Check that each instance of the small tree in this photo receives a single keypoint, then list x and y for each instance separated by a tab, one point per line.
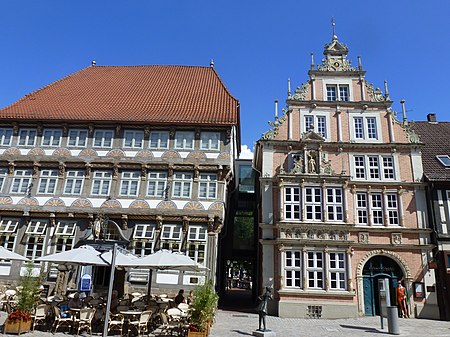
203	307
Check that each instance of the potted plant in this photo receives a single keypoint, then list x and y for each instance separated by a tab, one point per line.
28	294
202	310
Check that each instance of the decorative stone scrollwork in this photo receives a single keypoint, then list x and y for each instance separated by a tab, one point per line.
376	95
412	136
300	93
159	221
271	134
334	64
396	238
363	237
61	170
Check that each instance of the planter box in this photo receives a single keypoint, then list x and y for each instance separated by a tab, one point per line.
197	334
17	326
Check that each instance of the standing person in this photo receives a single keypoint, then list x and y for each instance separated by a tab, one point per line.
401	299
180	297
262	308
190	298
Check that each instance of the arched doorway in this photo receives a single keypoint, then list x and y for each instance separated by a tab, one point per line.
378	267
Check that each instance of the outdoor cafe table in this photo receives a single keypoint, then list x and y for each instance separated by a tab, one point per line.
129	315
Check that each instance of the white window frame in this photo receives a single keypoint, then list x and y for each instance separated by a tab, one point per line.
210	141
184	140
102	139
181	181
360	167
335	204
3	175
313	203
66	228
8	231
36	227
374	167
365	127
51	137
315	270
293	269
48	181
99	180
77	137
27	137
377	209
171	235
144	235
157	181
319	121
24	177
362	214
292	203
196	242
6	135
207	186
337	274
197	233
392	209
130	180
133	139
161	137
338	94
74	182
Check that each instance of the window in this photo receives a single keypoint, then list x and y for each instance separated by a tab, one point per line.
182	183
184	139
74	182
47	183
197	243
6	136
157	182
337	271
133	139
171	237
292	203
8	236
62	240
444	160
338	92
365	128
159	140
35	233
143	239
377	208
293	272
379	167
392	208
361	208
103	138
3	173
208	186
314	270
27	137
129	185
51	137
313	203
21	181
101	183
65	228
317	124
334	204
209	140
77	138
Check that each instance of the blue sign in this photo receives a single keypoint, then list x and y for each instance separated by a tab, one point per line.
85	282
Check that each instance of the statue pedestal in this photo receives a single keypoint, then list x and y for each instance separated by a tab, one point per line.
267	333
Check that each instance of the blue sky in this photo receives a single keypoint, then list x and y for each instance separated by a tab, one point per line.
256	45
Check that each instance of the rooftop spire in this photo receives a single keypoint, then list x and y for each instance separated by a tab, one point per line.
332	27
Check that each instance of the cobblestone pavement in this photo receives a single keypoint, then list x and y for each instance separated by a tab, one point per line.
231	323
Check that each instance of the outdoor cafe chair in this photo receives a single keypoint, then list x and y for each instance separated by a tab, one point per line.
183	307
116	322
141	325
62	321
167	327
40	315
85	320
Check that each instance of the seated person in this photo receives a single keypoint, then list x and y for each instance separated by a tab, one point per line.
75	302
180	297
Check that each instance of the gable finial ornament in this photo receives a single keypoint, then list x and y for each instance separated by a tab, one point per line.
271	134
300	93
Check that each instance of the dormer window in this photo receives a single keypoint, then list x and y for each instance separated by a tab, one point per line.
338	92
444	160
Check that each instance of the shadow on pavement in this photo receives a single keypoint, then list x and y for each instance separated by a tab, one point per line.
242	332
365	328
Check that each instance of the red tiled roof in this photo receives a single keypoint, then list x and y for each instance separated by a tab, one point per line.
435	138
141	94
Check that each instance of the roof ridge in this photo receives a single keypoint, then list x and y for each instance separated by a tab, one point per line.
223	84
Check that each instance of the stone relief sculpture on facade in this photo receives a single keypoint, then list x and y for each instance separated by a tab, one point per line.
300	93
410	134
376	95
306	233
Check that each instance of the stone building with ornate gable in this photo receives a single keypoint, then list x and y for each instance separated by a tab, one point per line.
149	150
342	202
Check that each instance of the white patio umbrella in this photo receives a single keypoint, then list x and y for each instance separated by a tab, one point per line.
166	260
6	254
84	256
122	259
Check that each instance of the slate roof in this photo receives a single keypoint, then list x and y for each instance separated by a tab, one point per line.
134	94
436	139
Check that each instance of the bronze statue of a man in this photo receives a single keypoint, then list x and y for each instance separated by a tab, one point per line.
262	308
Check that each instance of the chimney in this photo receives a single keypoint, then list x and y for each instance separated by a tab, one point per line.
431	118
